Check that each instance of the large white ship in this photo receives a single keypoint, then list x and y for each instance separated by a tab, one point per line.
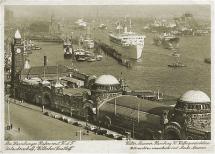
129	43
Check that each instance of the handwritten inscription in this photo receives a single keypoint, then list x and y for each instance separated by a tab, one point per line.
156	145
40	145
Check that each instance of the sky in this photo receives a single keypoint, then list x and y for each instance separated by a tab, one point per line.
43	11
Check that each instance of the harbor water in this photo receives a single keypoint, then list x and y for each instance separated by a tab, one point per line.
151	72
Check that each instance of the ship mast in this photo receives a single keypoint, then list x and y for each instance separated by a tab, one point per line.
130	25
57	73
119	27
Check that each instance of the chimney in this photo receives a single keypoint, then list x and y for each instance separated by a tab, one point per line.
45	60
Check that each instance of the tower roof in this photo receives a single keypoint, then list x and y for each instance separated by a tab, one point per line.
17	34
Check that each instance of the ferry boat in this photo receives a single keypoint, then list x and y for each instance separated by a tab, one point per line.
129	44
167	40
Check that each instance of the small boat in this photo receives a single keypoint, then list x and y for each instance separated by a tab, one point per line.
175	53
102	26
35	48
88	53
81	58
99	57
91	59
79	52
177	63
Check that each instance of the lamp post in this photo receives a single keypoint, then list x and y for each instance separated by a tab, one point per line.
133	128
8	112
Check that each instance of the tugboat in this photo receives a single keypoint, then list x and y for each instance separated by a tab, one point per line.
177	63
68	49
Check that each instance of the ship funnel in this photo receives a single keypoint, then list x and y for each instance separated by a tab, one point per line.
45	61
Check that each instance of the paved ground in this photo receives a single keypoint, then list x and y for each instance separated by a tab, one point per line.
36	126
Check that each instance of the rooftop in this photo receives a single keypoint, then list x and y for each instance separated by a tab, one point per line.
70	79
195	96
106	80
75	91
132	102
39	70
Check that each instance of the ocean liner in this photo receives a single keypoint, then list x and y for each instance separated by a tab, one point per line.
129	44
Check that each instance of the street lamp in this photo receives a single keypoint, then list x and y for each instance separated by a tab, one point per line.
133	127
8	111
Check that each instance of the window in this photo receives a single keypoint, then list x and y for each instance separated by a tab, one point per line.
189	106
198	107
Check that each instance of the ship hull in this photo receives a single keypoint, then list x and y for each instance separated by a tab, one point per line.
68	56
128	52
131	52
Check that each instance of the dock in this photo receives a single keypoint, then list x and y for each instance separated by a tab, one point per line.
114	54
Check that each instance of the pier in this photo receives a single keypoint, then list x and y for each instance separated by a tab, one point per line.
114	54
